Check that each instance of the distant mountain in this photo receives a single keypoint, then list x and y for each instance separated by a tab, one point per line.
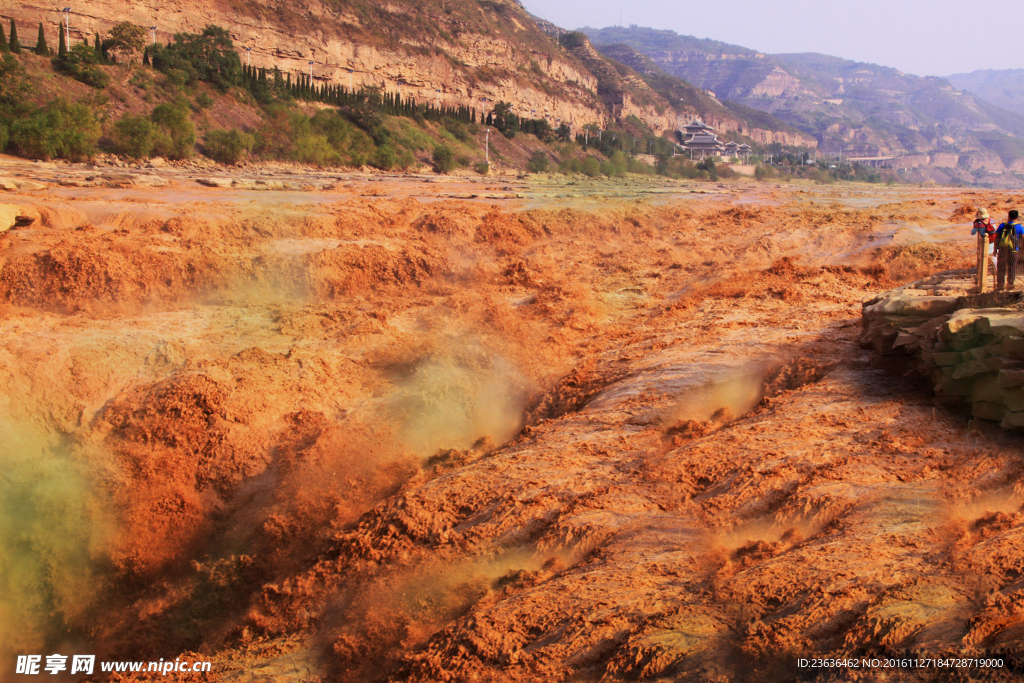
857	108
1004	88
691	101
629	84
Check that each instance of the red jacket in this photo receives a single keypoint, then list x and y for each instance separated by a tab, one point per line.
985	225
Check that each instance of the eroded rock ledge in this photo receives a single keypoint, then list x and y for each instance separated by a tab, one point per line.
971	346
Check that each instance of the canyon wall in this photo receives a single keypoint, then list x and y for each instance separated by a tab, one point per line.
446	72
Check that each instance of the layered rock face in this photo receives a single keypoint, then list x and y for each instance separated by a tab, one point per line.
971	346
451	67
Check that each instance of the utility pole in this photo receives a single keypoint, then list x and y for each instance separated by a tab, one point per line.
248	51
350	89
437	100
152	29
67	23
487	145
311	70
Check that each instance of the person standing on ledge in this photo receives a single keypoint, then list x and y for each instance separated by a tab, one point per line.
986	233
1008	238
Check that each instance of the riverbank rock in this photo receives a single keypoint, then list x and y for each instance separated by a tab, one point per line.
13	215
971	346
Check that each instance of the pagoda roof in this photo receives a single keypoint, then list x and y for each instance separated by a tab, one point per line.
697	124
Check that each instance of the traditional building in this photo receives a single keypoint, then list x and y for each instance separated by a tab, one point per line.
701	141
704	145
694	128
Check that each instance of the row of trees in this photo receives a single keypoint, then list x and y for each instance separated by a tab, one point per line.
124	40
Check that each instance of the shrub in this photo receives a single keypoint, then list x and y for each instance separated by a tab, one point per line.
483	168
4	137
134	136
444	159
80	62
384	158
591	167
228	146
59	130
538	162
708	166
457	129
352	144
315	149
275	138
177	135
204	101
13	83
405	159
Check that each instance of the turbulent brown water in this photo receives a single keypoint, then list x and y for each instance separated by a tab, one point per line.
548	438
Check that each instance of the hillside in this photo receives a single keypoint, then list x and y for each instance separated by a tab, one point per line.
447	53
727	117
1001	87
852	108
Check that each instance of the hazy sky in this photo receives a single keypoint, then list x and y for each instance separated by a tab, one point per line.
923	37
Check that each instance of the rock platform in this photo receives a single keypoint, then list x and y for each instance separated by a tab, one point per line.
970	345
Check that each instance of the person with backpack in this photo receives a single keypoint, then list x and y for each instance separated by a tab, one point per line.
986	233
1008	238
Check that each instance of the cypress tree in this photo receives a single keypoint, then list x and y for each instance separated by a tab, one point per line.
41	47
62	48
99	47
3	41
15	44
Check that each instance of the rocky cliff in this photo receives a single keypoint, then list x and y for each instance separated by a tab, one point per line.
453	53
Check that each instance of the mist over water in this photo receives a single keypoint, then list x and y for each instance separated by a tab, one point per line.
53	531
456	397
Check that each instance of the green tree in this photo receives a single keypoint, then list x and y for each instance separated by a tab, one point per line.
504	120
444	159
58	130
177	136
209	56
15	44
126	41
4	47
538	162
41	47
